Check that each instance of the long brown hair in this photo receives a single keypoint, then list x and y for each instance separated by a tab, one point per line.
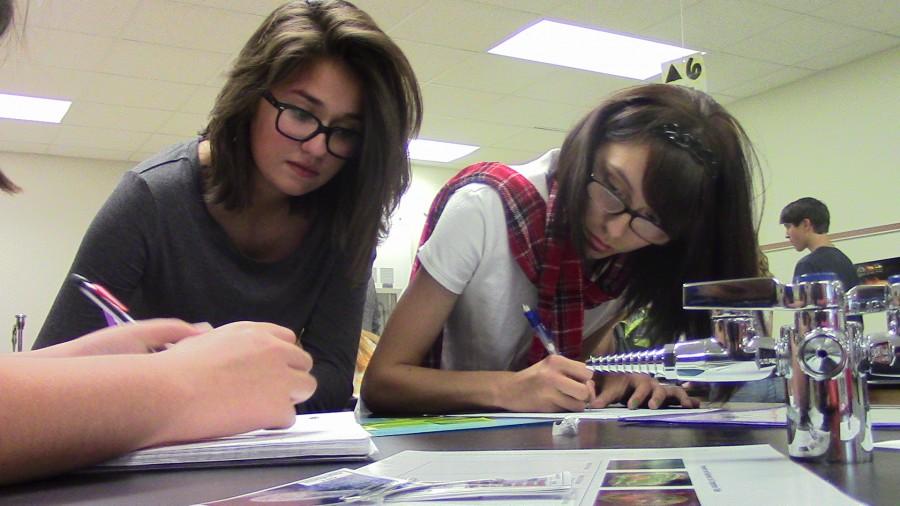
359	200
7	15
698	181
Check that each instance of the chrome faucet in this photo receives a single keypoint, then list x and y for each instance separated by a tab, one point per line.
824	358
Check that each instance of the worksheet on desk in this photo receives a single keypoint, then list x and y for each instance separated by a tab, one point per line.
594	414
734	475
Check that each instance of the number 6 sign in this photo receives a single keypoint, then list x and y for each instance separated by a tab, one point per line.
690	72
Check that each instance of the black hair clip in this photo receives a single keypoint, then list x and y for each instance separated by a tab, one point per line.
673	133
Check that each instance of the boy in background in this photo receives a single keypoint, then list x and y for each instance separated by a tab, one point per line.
806	224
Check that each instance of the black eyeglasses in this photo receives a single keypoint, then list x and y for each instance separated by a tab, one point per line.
301	125
645	227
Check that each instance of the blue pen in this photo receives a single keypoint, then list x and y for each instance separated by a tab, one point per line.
540	329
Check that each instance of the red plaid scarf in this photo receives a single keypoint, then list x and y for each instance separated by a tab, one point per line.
550	263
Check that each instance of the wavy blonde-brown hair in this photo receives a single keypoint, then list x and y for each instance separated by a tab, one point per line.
359	200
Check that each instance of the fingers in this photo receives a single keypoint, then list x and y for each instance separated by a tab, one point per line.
658	399
283	333
669	394
298	358
642	390
304	384
683	398
610	393
156	333
573	380
571	368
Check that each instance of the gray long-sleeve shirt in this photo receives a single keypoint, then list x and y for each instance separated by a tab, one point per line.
155	246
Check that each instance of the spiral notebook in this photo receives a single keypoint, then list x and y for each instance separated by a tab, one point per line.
316	437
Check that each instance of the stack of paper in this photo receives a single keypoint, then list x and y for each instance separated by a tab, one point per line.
733	475
319	437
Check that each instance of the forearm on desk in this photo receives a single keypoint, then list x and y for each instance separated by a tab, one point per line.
415	389
61	414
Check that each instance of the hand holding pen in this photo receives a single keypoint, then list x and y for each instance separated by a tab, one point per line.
550	345
115	312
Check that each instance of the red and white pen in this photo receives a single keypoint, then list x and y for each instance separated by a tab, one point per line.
115	312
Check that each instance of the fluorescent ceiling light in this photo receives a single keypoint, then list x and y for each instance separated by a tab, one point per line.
436	151
47	110
587	49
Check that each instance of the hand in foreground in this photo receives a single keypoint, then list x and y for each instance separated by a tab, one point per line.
551	385
240	376
636	390
140	337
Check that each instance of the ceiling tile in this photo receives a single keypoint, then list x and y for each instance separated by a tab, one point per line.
526	112
87	152
802	6
778	78
258	7
95	17
871	44
716	24
191	26
536	6
455	102
462	24
28	131
90	114
140	156
104	138
627	16
63	49
9	146
493	73
188	125
506	156
157	142
17	76
464	131
201	101
725	70
536	139
575	87
802	39
390	13
152	61
877	15
429	60
134	92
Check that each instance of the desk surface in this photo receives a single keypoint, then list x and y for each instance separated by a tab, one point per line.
873	483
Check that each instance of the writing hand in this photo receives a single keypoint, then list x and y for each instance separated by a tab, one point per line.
551	385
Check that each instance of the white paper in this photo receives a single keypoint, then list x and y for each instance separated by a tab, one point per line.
752	475
594	414
889	445
320	436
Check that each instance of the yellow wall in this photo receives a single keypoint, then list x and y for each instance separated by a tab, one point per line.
834	136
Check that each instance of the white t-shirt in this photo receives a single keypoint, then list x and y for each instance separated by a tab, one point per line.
468	253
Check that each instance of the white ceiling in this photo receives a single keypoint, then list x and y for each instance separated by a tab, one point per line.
142	74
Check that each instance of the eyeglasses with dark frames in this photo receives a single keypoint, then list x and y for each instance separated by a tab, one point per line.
301	125
609	198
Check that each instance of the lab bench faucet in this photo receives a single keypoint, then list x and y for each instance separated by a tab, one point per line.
824	357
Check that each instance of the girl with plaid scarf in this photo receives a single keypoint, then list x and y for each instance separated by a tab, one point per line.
650	190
